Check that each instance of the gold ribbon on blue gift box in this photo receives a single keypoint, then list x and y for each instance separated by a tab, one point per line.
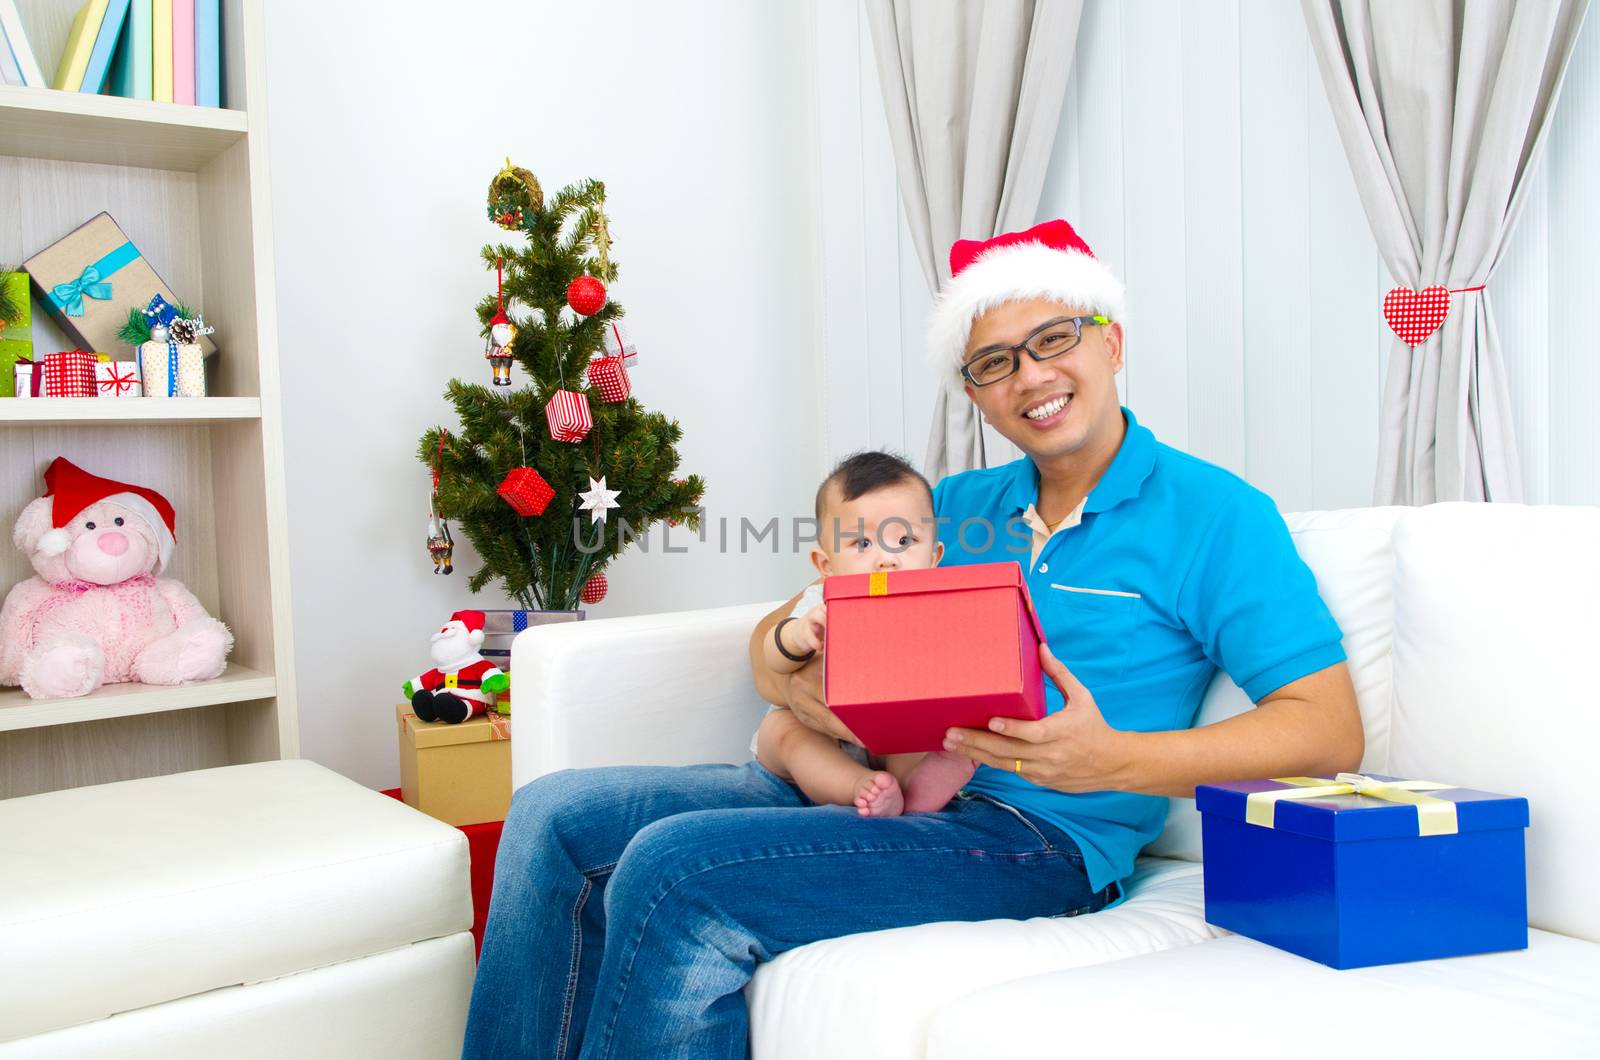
1435	816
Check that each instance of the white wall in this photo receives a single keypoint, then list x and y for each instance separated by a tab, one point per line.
385	130
1197	155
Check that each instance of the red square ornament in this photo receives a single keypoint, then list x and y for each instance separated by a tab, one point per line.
568	416
607	375
526	491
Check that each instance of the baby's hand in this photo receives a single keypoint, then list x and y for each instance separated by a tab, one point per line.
811	629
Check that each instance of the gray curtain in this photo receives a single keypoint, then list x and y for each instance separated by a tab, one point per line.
1443	106
973	94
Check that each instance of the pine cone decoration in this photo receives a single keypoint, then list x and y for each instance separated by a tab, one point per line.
512	191
184	331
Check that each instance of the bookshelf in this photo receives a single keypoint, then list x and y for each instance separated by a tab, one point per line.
189	186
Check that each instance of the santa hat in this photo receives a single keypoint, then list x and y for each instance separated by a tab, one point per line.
1048	261
472	620
72	489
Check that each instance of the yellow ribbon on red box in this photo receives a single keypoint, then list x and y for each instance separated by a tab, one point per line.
1434	816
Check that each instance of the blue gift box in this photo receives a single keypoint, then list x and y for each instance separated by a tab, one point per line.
1354	871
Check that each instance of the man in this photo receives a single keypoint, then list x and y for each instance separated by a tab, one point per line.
632	905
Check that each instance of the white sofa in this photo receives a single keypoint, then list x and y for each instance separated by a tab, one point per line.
1472	632
268	910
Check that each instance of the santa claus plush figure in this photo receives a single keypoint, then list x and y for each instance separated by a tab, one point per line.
462	683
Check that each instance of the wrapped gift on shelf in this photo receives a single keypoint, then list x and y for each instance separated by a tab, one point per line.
460	774
27	378
16	334
70	374
89	280
911	653
118	378
172	369
1355	870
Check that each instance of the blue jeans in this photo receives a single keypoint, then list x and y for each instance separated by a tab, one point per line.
632	904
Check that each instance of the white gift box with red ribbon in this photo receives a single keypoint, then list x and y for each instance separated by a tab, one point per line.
118	378
618	344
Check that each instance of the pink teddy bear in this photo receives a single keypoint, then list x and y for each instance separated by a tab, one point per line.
96	614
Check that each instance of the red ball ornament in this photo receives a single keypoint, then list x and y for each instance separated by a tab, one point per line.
586	295
594	590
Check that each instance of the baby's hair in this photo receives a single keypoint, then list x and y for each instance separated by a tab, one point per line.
861	473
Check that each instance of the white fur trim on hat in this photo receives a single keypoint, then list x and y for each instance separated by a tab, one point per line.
1017	273
158	526
53	542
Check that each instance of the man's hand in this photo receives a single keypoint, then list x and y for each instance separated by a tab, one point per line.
1071	750
808	704
799	690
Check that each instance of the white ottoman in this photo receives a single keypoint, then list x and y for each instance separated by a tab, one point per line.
274	909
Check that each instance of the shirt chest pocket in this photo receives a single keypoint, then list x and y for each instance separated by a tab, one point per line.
1092	630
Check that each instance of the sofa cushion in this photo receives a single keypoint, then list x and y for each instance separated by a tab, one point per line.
353	1009
1350	553
812	1001
1496	631
1235	997
123	895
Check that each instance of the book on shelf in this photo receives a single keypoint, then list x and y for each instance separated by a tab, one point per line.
132	63
161	38
183	51
80	44
17	47
94	76
208	53
10	72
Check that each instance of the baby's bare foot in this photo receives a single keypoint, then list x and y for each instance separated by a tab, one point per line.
878	795
935	781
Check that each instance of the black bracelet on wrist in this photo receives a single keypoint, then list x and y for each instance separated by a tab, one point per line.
777	638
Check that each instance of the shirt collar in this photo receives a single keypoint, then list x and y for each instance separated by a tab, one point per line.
1135	459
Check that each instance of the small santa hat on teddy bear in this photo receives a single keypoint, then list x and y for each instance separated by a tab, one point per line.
72	489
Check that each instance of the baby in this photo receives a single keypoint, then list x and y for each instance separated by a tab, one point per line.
874	513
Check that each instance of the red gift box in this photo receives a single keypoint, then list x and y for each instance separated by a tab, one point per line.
568	416
607	375
526	491
70	374
912	653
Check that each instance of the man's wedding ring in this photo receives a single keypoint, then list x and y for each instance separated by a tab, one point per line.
1018	767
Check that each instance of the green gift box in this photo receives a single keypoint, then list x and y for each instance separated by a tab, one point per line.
16	336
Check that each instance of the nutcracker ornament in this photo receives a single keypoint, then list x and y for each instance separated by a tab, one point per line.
501	331
462	683
513	193
441	546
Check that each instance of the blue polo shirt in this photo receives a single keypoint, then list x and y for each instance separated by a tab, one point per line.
1176	568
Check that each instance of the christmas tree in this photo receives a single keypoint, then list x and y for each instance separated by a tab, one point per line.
544	479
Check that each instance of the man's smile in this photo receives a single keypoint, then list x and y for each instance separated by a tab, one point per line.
1049	411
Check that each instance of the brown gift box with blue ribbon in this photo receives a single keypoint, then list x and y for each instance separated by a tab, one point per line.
88	280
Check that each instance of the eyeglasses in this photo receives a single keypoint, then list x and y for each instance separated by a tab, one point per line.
1047	341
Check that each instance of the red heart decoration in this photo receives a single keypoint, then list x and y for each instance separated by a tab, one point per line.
1414	315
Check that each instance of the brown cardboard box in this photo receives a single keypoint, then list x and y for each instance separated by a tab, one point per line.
460	774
